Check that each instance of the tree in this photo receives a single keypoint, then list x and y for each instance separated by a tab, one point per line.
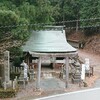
44	11
22	31
90	9
7	5
69	10
72	9
28	12
16	54
18	2
7	18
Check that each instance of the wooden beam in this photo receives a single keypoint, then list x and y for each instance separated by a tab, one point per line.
48	61
39	73
60	61
35	54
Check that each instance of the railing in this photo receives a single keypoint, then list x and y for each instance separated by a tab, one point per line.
14	69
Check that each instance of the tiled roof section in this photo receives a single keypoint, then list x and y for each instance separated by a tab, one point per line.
48	41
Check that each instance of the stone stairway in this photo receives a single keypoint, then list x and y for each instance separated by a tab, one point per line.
47	75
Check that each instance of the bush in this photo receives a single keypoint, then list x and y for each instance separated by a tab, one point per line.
13	75
7	93
17	61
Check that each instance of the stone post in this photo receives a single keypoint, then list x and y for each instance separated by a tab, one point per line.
5	86
6	67
39	73
14	84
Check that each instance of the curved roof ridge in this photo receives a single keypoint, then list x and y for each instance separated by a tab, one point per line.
48	41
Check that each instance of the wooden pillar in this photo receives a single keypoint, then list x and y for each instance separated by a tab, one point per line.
67	70
53	62
39	73
28	60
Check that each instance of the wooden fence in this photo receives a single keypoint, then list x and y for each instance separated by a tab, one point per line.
14	69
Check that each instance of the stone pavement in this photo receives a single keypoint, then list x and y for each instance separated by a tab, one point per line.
49	86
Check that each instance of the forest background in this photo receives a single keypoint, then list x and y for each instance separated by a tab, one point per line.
19	17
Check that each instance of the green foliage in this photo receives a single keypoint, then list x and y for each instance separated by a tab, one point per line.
13	75
45	11
7	93
7	5
15	51
7	18
22	31
16	54
90	9
17	61
27	11
18	2
40	12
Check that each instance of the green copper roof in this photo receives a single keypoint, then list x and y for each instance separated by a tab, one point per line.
48	41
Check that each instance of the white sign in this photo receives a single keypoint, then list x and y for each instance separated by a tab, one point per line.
83	72
25	72
87	64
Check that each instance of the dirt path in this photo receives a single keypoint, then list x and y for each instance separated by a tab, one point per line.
95	62
94	59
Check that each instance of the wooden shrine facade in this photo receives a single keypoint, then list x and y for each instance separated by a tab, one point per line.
53	56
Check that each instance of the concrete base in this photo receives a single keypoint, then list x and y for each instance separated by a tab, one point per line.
7	84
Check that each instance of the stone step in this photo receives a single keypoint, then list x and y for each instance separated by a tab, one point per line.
47	75
76	80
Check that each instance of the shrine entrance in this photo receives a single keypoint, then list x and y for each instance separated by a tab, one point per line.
39	62
49	43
